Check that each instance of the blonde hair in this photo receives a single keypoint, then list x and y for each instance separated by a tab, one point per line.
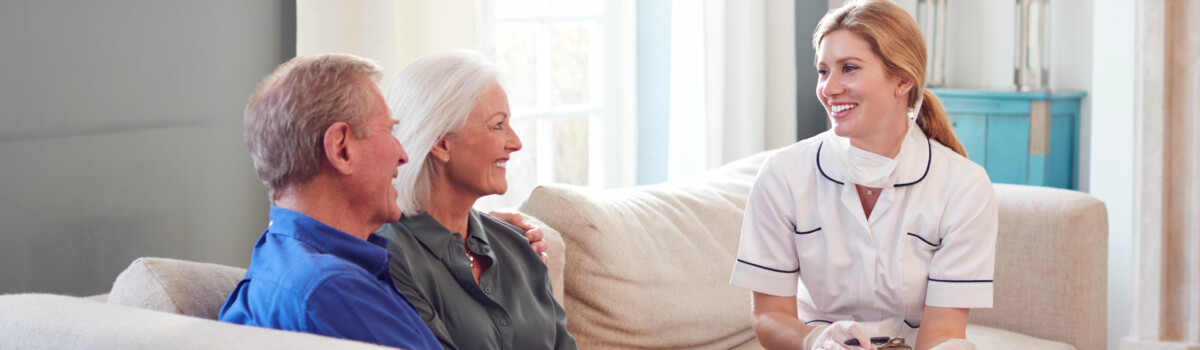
431	98
287	115
895	37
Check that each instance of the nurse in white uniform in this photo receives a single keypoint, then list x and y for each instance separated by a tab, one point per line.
880	226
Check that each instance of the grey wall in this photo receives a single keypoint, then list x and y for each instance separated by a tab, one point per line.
810	115
120	135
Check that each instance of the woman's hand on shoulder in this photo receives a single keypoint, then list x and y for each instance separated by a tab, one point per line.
532	233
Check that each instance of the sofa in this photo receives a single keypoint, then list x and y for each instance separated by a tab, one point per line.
641	267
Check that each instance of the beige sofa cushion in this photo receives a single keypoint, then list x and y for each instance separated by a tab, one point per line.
988	338
649	267
175	286
556	251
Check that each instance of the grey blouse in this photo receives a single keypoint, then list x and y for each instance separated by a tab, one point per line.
512	306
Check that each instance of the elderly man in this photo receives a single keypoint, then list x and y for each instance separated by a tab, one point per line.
320	135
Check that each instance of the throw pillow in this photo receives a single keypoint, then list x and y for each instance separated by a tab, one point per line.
649	266
175	286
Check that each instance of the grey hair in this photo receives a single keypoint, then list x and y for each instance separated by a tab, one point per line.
287	115
432	98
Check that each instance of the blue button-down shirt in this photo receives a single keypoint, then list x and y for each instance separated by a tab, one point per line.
309	277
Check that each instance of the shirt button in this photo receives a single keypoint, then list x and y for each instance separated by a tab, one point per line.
487	289
487	250
503	321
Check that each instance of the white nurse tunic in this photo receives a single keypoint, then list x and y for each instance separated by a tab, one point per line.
930	239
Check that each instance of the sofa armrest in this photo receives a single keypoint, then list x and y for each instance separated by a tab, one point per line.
1051	266
44	321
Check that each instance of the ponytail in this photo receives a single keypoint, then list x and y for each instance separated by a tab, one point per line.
936	124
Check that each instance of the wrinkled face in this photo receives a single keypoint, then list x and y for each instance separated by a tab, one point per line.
381	154
861	98
480	149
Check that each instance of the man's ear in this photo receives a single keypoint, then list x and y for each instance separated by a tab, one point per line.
337	147
441	149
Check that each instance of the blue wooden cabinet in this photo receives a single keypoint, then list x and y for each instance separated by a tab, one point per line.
1020	137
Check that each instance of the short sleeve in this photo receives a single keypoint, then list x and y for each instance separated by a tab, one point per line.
767	260
960	273
350	307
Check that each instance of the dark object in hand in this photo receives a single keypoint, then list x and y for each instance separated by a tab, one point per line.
886	344
874	340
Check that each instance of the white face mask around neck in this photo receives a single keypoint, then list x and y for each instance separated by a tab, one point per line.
861	167
865	168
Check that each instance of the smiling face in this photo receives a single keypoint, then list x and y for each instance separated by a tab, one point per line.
864	102
382	155
479	151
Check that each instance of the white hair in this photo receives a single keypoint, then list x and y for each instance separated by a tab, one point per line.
431	98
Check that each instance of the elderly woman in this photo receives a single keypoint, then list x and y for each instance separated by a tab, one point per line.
473	278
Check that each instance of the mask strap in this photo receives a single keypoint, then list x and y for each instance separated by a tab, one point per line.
916	110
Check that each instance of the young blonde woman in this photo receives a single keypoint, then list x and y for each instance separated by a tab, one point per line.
880	227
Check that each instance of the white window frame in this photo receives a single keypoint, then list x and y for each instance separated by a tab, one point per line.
612	141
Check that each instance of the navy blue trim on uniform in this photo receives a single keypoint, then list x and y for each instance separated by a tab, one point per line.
823	170
767	268
829	322
910	324
808	232
926	242
927	163
960	281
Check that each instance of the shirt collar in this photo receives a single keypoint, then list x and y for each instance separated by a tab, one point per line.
371	254
433	235
912	162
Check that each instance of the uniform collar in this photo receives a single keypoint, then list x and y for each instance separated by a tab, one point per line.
434	236
912	162
371	254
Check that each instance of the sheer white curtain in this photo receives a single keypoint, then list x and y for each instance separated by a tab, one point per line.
733	81
392	32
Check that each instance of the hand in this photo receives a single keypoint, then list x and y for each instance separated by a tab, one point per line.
955	344
834	336
532	233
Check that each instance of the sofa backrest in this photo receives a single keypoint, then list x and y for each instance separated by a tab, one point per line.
1051	266
649	267
44	321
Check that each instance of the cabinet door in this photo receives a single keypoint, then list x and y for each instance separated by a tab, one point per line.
971	130
1060	165
1007	148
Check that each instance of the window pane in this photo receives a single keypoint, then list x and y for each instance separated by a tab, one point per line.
521	170
571	150
575	7
572	48
516	57
520	8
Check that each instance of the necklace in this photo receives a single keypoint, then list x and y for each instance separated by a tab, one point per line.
869	191
470	258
